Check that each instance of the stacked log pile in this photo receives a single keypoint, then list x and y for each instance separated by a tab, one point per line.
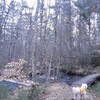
13	72
14	69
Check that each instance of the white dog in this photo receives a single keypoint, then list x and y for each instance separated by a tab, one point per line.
80	92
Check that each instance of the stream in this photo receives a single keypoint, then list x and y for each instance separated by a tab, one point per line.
62	77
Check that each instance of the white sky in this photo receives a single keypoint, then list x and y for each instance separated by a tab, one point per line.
32	3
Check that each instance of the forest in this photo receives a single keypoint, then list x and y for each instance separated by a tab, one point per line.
48	44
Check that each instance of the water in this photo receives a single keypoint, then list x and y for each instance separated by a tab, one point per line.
69	79
62	77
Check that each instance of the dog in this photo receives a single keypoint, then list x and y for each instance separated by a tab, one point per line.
80	92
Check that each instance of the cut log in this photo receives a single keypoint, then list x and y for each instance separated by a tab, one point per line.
87	79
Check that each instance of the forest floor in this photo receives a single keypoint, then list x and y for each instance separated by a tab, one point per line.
62	91
58	91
